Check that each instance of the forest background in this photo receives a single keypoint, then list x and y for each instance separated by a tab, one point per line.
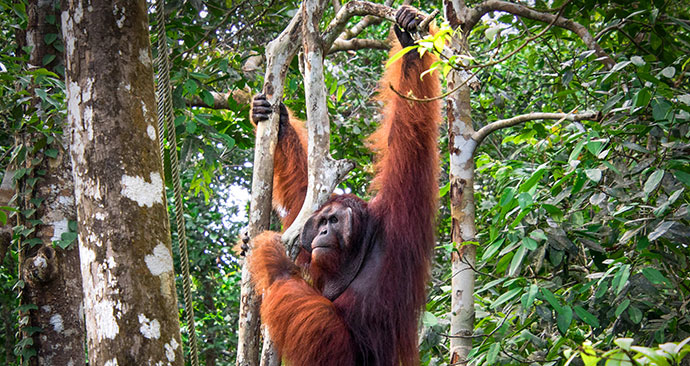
583	227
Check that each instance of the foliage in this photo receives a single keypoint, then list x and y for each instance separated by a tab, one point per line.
626	354
584	226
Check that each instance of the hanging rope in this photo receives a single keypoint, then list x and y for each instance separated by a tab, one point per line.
165	122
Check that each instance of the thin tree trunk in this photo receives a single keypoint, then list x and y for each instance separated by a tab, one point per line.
210	355
279	54
56	291
124	236
463	229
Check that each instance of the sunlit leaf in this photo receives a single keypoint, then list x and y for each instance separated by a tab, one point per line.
506	296
653	181
660	230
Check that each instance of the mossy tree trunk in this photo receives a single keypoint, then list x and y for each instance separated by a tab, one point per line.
49	261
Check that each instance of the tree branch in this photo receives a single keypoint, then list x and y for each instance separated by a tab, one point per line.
479	135
324	173
279	53
358	44
350	9
220	100
363	24
520	10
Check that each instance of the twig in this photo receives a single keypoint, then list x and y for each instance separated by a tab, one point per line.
523	11
524	44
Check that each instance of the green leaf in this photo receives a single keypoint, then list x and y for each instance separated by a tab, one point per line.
587	317
199	75
682	177
443	191
190	87
400	54
492	354
621	307
492	249
533	180
621	278
588	355
3	218
660	230
642	97
52	153
593	174
190	127
554	211
506	296
48	59
551	299
50	38
69	237
661	209
201	119
72	225
531	295
653	181
517	260
575	154
652	355
207	97
429	319
655	276
660	110
624	343
33	242
525	200
529	243
564	319
507	197
439	44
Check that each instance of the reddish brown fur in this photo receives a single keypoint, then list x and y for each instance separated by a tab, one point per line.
375	319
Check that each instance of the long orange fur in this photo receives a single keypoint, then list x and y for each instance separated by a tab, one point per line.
310	330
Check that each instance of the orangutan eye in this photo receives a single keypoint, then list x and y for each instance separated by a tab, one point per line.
333	220
322	222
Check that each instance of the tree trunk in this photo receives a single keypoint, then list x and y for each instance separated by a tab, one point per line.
210	354
279	54
463	229
124	236
51	274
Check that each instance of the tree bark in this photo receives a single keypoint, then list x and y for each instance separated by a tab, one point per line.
130	302
51	274
463	228
464	140
279	54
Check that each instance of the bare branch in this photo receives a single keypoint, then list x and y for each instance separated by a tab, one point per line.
354	8
358	44
279	53
520	10
363	24
220	100
479	136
